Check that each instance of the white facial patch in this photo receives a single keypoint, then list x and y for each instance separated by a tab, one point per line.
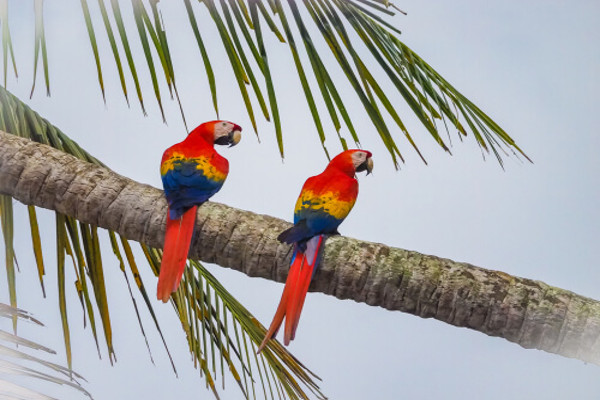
358	158
222	128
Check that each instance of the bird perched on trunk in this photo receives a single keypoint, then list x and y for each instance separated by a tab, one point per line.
324	202
192	171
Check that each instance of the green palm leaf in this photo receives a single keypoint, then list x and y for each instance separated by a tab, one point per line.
353	30
40	45
7	47
206	310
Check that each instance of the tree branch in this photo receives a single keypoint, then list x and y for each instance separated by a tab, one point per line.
529	313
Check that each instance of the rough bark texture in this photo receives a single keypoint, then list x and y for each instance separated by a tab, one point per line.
530	313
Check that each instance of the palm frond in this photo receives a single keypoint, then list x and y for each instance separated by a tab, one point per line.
203	305
58	374
7	46
6	219
90	28
363	44
207	65
40	45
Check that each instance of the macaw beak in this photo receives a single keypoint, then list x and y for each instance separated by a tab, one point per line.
235	136
232	138
367	165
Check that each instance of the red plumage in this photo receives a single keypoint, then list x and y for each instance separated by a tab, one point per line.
192	171
293	296
324	201
299	290
178	236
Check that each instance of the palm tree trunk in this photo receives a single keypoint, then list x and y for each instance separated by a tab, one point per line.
529	313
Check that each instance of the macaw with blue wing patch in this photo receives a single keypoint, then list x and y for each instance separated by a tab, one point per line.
324	202
192	171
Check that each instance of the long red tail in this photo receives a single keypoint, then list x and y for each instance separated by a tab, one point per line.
294	294
178	237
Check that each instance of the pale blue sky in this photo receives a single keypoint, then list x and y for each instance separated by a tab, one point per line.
532	66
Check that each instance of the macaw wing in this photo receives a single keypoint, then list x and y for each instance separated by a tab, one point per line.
322	212
189	182
309	223
297	233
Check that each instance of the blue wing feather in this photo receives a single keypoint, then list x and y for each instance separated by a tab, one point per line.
309	223
317	221
186	185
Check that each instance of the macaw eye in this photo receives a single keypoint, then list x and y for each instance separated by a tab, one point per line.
224	124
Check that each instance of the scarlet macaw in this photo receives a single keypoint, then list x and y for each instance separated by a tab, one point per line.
324	202
192	171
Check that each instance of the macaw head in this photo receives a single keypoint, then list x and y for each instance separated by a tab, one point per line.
219	132
352	161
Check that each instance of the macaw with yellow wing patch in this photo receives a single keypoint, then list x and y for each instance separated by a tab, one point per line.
192	171
324	202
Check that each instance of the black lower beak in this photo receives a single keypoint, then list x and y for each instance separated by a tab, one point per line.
362	167
224	140
231	139
367	165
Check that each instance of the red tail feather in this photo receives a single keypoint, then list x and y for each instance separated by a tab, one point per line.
296	299
294	294
283	304
178	237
